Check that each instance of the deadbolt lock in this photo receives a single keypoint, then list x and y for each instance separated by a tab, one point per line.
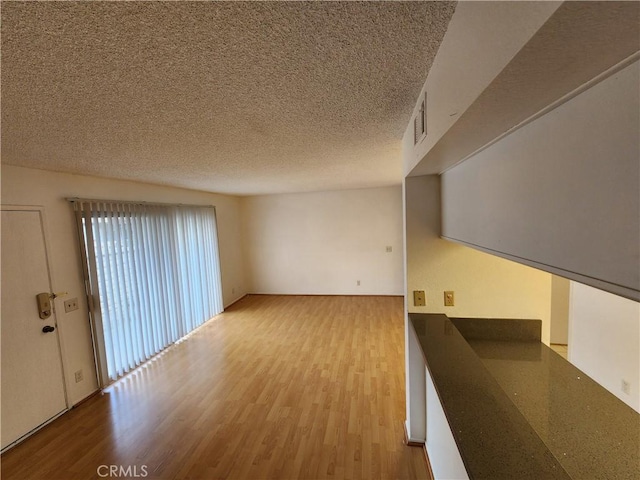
44	305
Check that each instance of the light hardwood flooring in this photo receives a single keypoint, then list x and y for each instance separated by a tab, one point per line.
277	387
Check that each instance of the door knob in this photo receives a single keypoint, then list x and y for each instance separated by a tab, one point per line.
48	329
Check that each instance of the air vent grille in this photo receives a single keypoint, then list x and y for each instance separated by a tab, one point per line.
420	122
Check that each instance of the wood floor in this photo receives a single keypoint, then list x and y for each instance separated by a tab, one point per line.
277	387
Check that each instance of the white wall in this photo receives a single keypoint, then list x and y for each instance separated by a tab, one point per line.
323	243
22	186
485	286
444	456
604	340
415	393
562	192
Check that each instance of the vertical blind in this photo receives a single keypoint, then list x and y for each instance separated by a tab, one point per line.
152	274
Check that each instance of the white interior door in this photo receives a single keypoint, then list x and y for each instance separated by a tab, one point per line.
31	370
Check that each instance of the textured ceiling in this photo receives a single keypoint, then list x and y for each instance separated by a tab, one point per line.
232	97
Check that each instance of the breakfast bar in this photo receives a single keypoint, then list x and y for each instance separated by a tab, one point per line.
516	409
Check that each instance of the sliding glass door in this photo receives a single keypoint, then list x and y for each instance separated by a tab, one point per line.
153	275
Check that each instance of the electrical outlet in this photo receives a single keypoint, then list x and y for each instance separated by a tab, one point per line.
71	305
419	298
448	299
626	387
389	249
358	282
79	376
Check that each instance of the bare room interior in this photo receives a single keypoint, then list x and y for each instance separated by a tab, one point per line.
304	240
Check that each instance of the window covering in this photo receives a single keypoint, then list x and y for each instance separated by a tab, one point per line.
152	275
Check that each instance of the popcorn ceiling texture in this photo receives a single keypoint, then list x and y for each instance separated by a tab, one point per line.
232	97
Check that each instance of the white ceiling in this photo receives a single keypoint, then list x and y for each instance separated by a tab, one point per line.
241	98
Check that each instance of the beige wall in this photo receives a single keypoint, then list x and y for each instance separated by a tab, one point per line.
324	242
485	286
21	186
559	310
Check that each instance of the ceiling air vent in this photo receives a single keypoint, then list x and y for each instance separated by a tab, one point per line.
420	121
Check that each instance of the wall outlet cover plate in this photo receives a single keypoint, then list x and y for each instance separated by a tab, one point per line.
449	299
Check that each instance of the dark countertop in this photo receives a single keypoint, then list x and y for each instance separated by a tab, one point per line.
517	410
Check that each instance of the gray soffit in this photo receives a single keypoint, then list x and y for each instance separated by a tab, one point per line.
232	97
579	41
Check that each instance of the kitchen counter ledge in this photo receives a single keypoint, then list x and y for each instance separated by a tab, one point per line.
517	409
